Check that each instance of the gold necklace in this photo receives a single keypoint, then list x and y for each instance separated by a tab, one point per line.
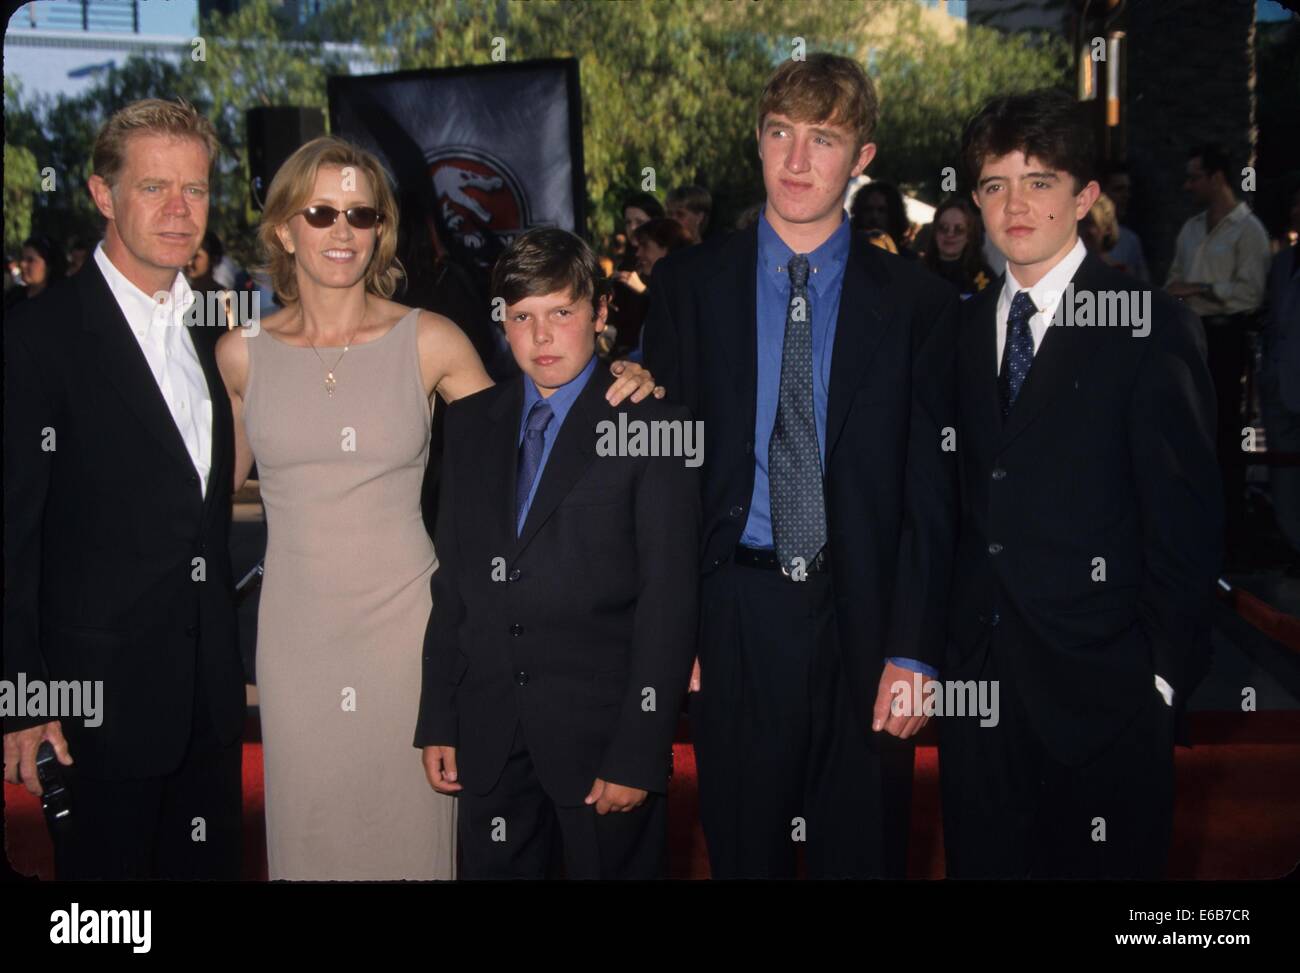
330	380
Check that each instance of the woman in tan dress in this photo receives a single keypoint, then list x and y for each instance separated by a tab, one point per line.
332	397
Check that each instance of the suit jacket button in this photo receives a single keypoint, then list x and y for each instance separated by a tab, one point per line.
737	510
191	630
999	474
995	548
514	575
516	630
995	619
521	678
749	448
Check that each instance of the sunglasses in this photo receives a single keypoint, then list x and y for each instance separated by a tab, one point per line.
361	217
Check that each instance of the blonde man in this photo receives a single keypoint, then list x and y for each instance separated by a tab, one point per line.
822	368
118	466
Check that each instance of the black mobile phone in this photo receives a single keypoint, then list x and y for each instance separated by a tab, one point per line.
56	800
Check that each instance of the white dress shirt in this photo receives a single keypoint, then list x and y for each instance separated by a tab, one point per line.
1232	258
1046	295
164	340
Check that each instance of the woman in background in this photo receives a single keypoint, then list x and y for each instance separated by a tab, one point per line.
41	264
956	251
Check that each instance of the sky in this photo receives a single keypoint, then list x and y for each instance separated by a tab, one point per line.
174	18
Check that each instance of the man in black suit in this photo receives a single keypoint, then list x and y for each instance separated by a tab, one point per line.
564	604
822	369
118	452
1091	517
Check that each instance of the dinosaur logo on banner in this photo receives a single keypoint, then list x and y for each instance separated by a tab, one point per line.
479	205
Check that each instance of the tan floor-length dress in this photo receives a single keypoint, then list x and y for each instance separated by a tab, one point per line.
344	605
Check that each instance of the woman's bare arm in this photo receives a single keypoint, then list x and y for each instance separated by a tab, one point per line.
232	362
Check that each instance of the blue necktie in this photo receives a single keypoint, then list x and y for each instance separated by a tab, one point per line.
1018	352
794	456
530	457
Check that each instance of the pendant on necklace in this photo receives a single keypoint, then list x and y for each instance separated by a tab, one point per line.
330	383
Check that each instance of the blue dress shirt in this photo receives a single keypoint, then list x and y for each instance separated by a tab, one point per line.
772	300
560	401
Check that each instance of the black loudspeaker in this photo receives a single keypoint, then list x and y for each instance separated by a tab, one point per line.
274	134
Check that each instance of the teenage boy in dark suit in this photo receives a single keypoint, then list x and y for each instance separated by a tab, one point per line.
1091	518
564	605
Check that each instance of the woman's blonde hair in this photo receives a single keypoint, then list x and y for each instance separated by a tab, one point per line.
292	189
1104	217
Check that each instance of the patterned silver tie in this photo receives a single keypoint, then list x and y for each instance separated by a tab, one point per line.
794	457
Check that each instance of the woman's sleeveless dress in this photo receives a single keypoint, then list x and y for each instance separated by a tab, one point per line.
344	604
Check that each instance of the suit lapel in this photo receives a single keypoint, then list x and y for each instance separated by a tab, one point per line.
1064	354
730	319
223	434
572	453
501	464
866	312
123	363
979	357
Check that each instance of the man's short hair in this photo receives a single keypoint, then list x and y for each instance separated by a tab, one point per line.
646	203
823	88
1213	158
697	199
152	116
1046	124
544	260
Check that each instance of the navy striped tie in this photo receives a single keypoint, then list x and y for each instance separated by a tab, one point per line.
1018	352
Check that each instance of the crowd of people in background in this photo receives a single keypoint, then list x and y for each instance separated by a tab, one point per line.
1221	269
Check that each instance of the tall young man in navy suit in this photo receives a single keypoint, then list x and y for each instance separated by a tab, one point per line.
1091	518
821	367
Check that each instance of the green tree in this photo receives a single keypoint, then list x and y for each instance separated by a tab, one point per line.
249	58
20	188
930	87
667	85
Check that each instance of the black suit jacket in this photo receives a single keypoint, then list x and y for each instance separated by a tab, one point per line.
890	485
563	627
1108	453
102	530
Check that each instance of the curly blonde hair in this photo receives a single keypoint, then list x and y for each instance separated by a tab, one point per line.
292	189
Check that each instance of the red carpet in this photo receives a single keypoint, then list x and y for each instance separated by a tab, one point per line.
1235	818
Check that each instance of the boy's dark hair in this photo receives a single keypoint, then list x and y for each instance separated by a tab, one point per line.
895	209
1213	158
666	232
56	262
546	259
697	199
646	203
1046	124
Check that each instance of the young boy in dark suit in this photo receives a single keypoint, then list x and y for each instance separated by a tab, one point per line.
564	606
